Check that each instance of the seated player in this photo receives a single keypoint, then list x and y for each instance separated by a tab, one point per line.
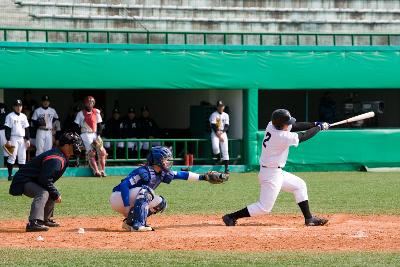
135	198
279	136
36	180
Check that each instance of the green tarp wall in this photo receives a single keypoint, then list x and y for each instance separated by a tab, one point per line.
116	66
344	150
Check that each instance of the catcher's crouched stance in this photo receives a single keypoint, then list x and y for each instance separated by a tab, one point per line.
135	198
36	180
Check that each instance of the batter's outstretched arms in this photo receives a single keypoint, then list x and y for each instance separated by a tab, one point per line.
309	129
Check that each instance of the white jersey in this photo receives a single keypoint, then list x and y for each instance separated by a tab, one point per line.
275	146
47	114
80	120
219	119
17	123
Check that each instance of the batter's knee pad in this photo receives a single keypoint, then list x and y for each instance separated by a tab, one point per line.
138	214
159	208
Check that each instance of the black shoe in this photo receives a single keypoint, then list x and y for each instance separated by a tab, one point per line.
10	177
315	221
227	171
228	220
51	223
35	226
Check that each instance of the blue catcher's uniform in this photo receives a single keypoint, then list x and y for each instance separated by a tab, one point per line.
146	176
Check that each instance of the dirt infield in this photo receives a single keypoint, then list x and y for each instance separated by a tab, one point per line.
194	232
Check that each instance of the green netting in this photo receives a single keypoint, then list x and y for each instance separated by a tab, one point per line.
345	150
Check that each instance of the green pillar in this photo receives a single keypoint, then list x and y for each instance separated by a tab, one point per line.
250	126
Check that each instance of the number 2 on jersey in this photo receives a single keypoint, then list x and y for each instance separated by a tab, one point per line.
267	137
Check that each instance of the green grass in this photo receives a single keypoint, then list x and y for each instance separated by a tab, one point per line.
330	192
58	257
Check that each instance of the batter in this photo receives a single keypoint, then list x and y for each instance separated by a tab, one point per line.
275	149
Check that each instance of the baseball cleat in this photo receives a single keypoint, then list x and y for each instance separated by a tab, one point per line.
35	226
103	174
228	220
315	221
51	223
10	178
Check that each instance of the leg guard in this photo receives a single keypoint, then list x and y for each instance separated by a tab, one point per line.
91	157
102	155
159	208
137	216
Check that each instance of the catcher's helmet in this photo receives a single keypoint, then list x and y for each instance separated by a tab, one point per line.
89	100
72	139
160	156
281	117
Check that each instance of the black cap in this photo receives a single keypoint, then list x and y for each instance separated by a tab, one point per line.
18	102
145	108
45	98
131	110
281	117
115	110
220	103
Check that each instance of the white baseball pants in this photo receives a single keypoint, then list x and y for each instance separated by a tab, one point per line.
272	181
118	205
19	150
44	141
87	139
218	146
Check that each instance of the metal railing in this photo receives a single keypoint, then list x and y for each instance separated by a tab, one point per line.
126	150
205	38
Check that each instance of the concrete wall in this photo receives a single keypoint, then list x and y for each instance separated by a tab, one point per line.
193	15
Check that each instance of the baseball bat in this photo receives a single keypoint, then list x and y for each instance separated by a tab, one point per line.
355	118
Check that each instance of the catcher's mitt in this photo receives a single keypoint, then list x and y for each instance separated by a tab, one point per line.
98	143
216	177
41	122
9	149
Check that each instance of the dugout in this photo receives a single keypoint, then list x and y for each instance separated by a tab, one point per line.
248	69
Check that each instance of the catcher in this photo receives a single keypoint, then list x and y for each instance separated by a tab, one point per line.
88	123
135	198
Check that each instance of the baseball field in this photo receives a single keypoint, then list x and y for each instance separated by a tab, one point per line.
363	208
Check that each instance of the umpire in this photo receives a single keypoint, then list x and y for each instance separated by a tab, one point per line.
36	180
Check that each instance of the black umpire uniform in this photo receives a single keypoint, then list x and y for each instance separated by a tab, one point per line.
36	180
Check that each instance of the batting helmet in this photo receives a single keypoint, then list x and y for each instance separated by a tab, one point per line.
72	139
160	156
281	117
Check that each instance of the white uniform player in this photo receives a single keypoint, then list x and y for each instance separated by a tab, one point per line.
219	121
43	119
89	120
17	135
275	149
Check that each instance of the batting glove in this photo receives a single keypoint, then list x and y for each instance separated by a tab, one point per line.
322	125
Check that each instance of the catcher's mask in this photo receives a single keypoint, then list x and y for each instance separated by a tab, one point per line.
89	102
72	139
160	156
